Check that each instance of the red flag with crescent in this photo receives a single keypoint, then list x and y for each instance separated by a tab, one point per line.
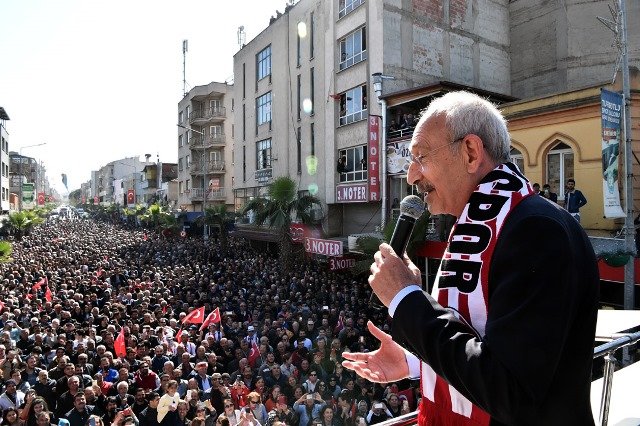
212	318
194	317
254	354
47	295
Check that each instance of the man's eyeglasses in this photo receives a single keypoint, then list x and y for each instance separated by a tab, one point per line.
228	405
418	159
254	402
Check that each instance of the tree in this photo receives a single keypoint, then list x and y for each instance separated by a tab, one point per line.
21	223
5	251
276	211
218	216
158	218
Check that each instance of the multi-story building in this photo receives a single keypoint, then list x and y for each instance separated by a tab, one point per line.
205	154
158	180
27	170
4	163
304	96
114	180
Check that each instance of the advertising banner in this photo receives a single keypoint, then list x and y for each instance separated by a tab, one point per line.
339	263
41	198
374	158
398	158
352	193
324	247
611	109
28	196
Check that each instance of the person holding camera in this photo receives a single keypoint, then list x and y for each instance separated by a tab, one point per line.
168	405
378	413
308	407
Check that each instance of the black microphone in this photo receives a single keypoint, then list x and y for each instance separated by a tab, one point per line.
411	208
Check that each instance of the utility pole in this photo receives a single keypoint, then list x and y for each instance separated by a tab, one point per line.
204	176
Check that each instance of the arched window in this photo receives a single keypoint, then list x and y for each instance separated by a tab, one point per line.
559	168
517	159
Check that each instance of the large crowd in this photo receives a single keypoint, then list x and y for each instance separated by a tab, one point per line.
95	331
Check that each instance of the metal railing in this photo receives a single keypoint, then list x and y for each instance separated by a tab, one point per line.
207	114
606	350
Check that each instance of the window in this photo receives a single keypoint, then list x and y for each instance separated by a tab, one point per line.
263	109
181	118
298	54
244	163
352	164
353	105
311	31
263	63
312	140
312	94
180	141
180	165
353	48
215	131
187	161
559	167
244	123
180	189
244	75
347	6
187	112
516	158
215	105
299	150
187	185
299	81
263	154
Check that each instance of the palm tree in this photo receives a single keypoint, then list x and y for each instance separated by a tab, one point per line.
20	223
276	211
160	219
218	216
5	251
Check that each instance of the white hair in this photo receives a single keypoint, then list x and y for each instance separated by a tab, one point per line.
467	113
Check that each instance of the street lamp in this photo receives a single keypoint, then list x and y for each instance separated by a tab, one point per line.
22	170
204	178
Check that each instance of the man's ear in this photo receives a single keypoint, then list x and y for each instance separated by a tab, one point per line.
473	153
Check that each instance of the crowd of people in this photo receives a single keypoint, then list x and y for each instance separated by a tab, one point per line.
93	332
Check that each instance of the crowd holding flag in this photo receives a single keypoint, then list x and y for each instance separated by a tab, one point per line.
194	317
212	318
119	344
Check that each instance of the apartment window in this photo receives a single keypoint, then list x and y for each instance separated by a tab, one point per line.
263	109
311	31
244	79
181	117
352	164
299	81
187	185
233	104
244	123
263	61
180	141
347	6
244	163
180	191
180	165
187	112
187	161
312	95
233	131
215	131
353	105
353	48
299	150
263	154
312	139
215	157
559	167
215	105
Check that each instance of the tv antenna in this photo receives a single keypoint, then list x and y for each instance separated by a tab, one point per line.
185	49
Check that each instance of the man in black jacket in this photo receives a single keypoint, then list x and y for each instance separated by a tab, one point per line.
507	338
80	413
149	416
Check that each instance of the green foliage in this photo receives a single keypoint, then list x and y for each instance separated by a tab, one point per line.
218	217
157	217
21	223
5	251
277	209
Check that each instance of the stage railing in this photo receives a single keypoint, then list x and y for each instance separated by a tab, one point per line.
606	350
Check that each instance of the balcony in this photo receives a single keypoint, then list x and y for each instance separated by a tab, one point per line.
203	116
211	167
195	194
196	142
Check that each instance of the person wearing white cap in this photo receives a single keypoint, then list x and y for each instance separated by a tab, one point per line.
252	336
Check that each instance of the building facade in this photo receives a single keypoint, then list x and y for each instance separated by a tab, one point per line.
205	154
5	190
304	93
114	180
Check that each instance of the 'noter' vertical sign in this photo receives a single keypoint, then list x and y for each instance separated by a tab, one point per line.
374	158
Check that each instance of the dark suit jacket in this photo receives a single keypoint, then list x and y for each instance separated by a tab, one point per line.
533	366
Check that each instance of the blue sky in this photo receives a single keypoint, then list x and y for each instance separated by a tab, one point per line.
101	80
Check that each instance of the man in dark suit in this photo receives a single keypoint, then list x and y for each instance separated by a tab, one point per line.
507	337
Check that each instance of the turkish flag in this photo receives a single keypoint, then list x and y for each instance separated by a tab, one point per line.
47	295
254	354
38	285
194	317
131	197
213	317
119	345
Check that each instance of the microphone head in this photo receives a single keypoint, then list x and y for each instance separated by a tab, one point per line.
412	206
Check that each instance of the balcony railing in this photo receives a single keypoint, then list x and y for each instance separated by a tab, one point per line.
203	115
195	194
196	142
211	167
